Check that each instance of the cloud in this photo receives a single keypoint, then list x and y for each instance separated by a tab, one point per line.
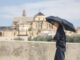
67	9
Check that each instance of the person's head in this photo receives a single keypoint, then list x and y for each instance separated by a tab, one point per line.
56	24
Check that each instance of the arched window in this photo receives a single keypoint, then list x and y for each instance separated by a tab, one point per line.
39	26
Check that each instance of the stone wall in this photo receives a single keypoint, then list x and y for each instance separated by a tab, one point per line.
21	50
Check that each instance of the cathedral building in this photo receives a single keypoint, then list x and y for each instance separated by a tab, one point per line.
28	26
31	26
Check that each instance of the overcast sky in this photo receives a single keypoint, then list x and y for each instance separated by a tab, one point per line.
66	9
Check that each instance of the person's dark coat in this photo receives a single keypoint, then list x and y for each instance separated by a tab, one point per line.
60	43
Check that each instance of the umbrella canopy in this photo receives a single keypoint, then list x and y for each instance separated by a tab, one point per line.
67	25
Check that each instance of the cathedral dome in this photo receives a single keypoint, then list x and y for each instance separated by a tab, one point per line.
39	14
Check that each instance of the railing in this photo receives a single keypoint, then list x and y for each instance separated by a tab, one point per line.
25	50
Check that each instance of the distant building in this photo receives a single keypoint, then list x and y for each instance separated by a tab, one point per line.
30	26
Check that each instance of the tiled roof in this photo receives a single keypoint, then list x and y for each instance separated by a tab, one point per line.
23	18
4	28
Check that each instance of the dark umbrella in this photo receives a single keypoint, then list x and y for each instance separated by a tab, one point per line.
67	25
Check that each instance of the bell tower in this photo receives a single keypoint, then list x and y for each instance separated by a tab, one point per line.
24	13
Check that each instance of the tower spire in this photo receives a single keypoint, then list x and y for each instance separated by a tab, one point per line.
24	13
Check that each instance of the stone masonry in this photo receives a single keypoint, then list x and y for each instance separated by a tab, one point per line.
21	50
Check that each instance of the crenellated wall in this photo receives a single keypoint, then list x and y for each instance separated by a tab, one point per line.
21	50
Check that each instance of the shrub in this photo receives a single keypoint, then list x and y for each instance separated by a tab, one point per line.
73	39
18	38
47	38
40	38
29	38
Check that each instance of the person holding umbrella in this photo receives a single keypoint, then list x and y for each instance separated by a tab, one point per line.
60	36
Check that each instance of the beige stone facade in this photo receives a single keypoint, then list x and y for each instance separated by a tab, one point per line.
7	32
28	26
31	26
